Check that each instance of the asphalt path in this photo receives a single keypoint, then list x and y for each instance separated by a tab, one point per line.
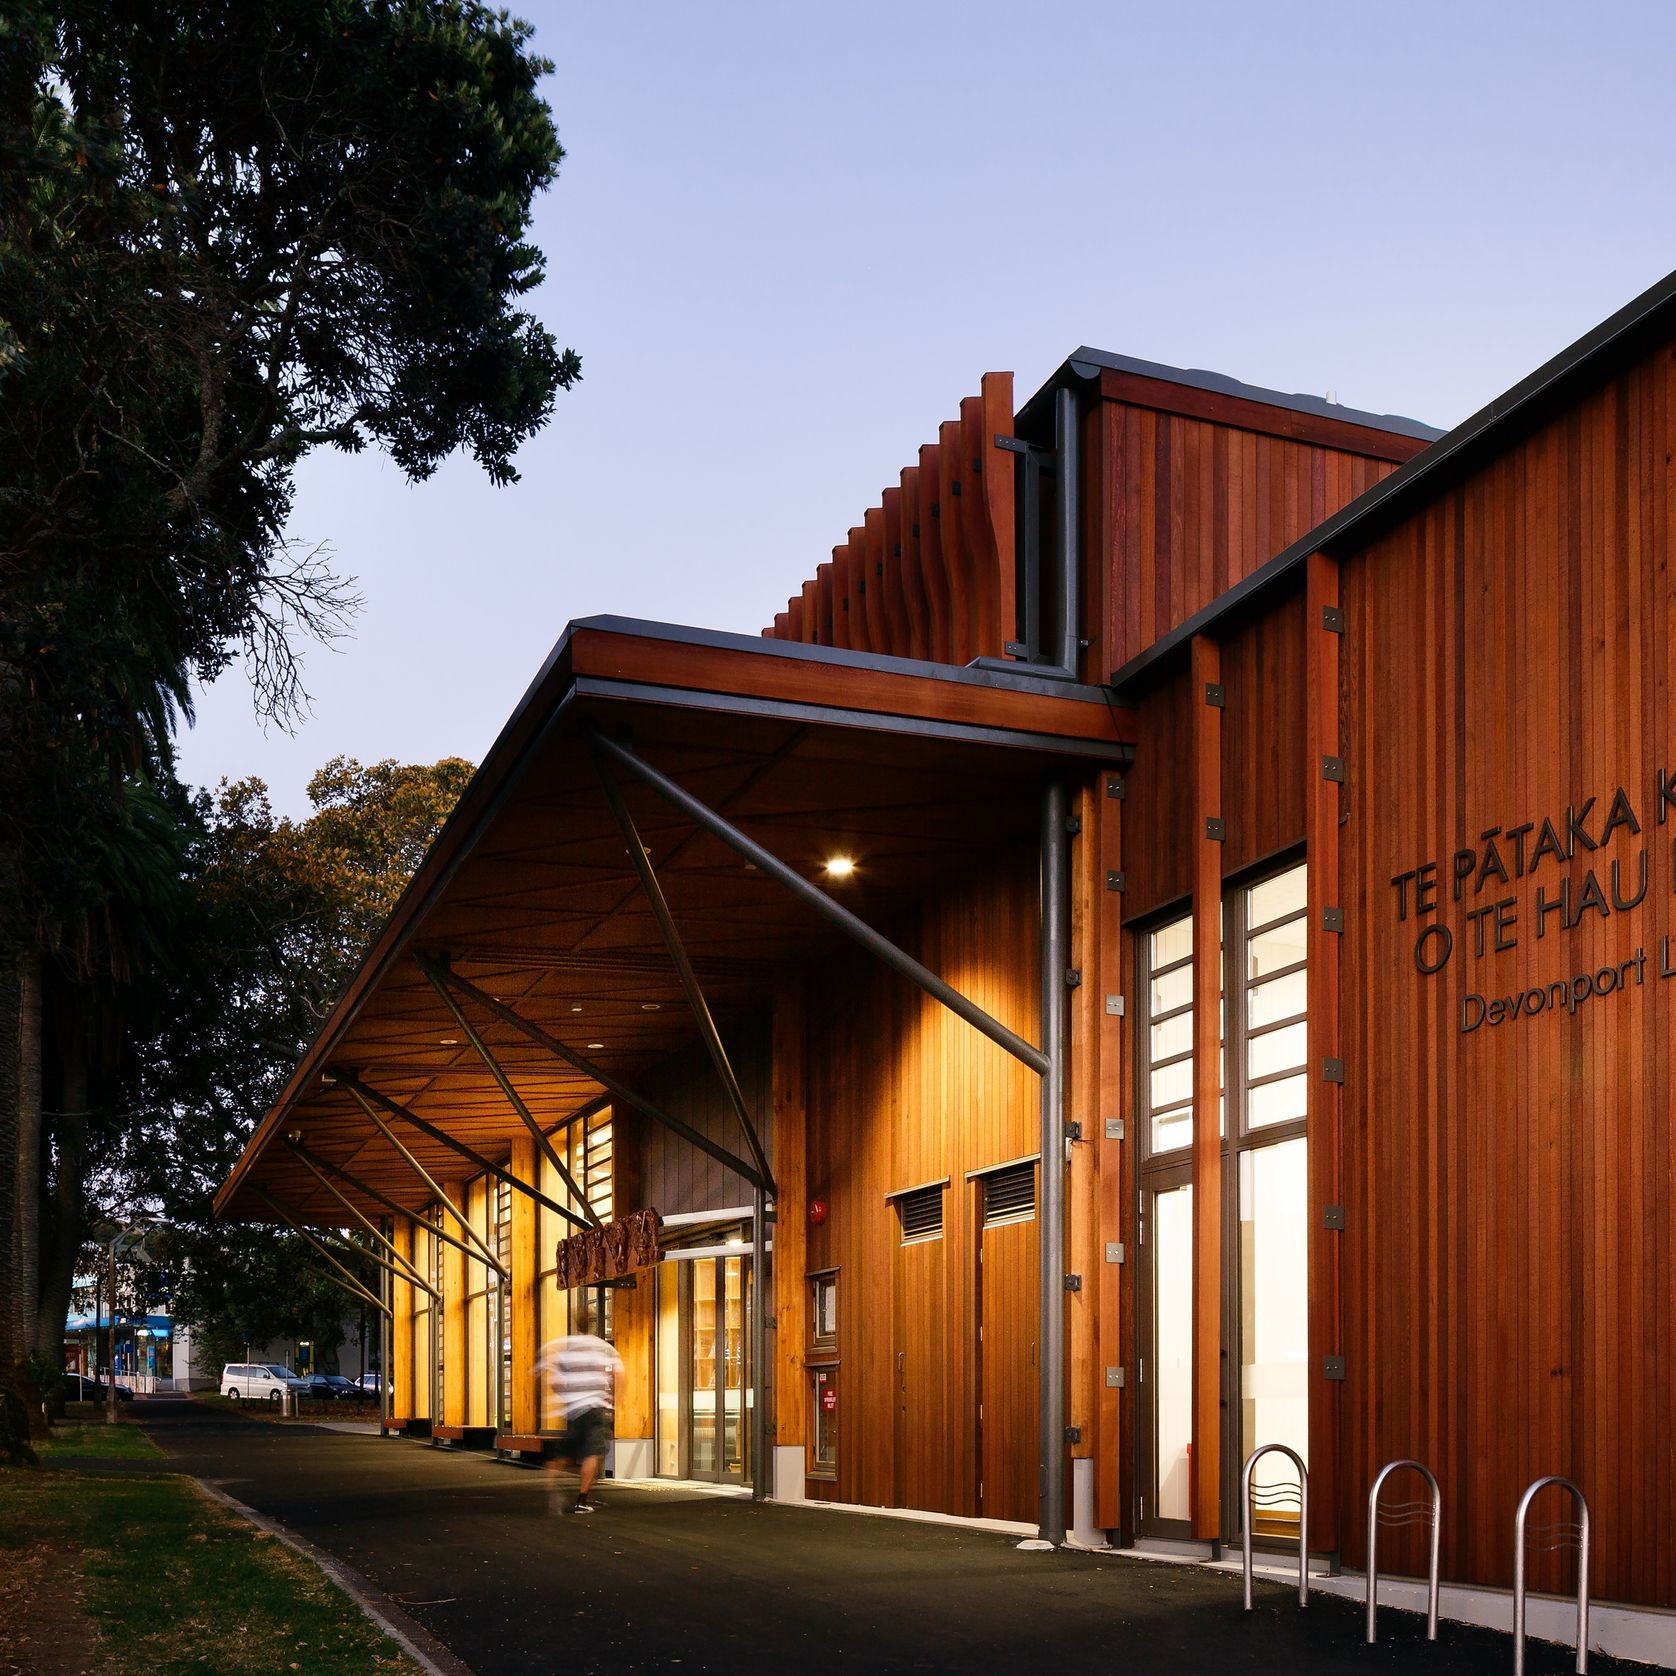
671	1580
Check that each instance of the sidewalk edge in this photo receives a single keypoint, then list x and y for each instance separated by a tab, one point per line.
408	1634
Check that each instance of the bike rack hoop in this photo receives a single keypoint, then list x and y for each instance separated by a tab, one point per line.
1251	1461
1407	1513
1564	1537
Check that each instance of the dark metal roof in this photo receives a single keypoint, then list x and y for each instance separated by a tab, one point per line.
1085	363
1591	356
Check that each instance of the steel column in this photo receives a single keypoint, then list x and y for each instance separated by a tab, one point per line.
483	1253
1055	946
599	1074
761	1466
850	924
437	976
683	966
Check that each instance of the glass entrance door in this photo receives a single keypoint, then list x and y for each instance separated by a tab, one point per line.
718	1372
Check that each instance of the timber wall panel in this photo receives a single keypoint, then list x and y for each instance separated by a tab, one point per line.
1265	772
674	1175
1508	1263
1194	507
1158	843
901	1093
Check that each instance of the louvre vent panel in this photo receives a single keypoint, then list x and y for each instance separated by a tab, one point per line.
1009	1195
921	1214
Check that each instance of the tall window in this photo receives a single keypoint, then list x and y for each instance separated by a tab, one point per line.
586	1146
502	1247
1269	982
1264	1077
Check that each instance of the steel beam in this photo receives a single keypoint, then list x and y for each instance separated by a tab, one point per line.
349	1282
1055	946
412	1274
850	924
362	1093
612	1085
389	1204
437	976
683	967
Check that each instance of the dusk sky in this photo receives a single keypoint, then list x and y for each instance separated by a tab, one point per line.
787	240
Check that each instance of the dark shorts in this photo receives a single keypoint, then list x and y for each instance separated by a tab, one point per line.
586	1436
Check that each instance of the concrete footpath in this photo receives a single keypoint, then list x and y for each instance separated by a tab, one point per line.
664	1579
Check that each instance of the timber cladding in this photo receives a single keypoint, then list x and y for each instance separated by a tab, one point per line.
1508	1004
902	1094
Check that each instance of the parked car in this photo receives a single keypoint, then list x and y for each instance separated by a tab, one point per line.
371	1383
260	1381
79	1388
333	1387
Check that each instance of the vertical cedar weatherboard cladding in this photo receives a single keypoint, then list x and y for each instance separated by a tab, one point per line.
1509	1265
1196	490
929	571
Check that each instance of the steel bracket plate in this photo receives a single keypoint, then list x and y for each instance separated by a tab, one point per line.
1114	787
1332	919
1214	695
1114	1251
1114	1129
1215	828
1114	1006
1332	618
1114	881
1114	1379
1334	1368
1332	768
1332	1070
1332	1216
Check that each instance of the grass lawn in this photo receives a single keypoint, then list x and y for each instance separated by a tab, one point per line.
142	1571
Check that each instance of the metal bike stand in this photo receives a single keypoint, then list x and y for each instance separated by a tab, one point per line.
1403	1513
1565	1533
1303	1516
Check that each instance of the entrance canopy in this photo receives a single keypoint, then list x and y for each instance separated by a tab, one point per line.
525	974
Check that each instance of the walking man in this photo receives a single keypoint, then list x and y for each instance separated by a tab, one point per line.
582	1371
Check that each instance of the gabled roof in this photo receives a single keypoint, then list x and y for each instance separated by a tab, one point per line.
1587	361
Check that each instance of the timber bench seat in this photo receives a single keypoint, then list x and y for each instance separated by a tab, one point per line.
469	1437
405	1425
527	1446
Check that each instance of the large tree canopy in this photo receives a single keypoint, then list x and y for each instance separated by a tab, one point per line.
228	234
280	914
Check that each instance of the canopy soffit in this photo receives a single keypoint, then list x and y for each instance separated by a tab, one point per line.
914	770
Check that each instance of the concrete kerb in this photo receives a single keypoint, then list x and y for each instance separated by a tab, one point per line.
413	1639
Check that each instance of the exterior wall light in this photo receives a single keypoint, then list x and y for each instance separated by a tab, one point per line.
840	866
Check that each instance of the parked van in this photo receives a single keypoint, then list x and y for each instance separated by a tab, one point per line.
256	1380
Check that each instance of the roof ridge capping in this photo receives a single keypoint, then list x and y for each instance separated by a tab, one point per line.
1085	361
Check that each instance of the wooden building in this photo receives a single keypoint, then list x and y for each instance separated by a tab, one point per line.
1160	949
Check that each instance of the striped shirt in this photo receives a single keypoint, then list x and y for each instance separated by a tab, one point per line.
580	1372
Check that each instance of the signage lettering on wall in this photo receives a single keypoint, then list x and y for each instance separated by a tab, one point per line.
1487	897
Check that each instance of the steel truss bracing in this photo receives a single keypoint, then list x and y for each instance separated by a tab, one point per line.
1047	1061
388	1203
364	1092
436	974
406	1271
613	1086
366	1096
349	1283
690	986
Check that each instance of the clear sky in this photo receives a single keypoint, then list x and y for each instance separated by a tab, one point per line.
788	238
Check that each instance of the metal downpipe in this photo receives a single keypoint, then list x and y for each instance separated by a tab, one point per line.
1067	472
1055	949
761	1466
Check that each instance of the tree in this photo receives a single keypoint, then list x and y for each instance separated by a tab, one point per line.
230	234
281	913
